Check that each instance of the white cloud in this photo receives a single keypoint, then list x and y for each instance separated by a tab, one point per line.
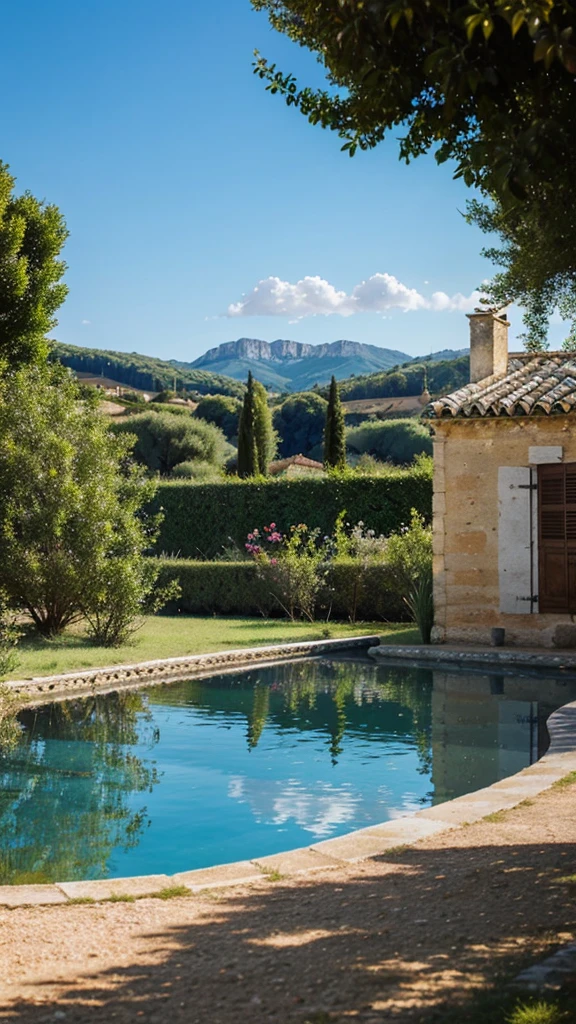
313	296
85	322
277	802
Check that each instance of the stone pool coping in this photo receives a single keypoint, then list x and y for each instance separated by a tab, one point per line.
463	654
46	689
362	844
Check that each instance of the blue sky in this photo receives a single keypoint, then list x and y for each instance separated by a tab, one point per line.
185	185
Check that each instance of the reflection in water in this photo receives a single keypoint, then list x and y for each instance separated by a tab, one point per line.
244	765
64	786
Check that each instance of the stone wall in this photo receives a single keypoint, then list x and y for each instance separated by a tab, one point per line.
467	457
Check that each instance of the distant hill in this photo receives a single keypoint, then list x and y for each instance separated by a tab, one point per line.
145	373
442	356
294	366
437	376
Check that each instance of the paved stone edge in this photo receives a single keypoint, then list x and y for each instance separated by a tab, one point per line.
42	689
465	656
363	844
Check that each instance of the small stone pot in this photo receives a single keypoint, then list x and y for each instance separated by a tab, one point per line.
497	636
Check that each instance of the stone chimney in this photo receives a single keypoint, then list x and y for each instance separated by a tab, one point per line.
488	344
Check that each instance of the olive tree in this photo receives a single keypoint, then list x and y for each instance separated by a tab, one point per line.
73	526
163	440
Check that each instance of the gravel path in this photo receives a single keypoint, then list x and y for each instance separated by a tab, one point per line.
391	939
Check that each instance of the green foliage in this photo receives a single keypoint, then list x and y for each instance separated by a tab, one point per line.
265	436
124	589
299	422
294	568
420	601
409	553
71	520
397	441
221	410
248	461
334	431
163	441
144	372
538	268
32	235
105	812
256	436
201	518
238	588
164	396
537	1013
439	376
201	472
449	76
9	637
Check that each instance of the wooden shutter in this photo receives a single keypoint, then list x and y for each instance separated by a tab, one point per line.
557	537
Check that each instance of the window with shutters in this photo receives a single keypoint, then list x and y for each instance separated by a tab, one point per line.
557	537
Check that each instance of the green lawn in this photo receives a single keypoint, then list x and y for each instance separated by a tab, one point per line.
168	636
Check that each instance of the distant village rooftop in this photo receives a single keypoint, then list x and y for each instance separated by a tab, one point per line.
295	464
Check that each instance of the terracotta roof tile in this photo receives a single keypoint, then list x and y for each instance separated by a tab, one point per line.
534	385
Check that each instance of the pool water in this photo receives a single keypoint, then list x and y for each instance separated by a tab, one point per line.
243	765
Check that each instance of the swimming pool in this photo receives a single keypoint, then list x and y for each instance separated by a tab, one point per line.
247	764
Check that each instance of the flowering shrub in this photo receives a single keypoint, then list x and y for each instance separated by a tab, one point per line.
408	553
294	566
256	542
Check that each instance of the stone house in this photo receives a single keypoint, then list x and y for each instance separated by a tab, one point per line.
505	495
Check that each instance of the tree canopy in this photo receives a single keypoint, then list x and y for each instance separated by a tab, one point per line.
32	234
222	410
163	441
72	527
489	82
299	422
397	441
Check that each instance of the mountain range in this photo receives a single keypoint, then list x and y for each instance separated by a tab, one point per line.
284	365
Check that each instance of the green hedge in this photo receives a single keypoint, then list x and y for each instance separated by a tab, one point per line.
199	519
234	588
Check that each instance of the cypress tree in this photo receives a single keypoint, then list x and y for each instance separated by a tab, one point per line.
334	431
247	446
263	430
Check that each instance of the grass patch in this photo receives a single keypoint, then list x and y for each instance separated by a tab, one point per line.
171	893
118	897
536	1013
395	851
76	900
274	875
171	636
567	780
499	1006
496	816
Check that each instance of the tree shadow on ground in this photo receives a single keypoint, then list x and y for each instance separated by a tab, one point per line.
406	938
